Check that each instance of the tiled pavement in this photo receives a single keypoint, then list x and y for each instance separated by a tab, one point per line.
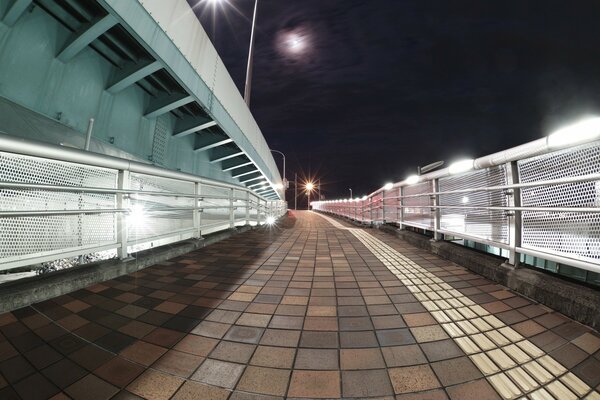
310	309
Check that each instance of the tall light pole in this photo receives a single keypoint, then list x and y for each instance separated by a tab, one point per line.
283	155
248	85
309	187
350	189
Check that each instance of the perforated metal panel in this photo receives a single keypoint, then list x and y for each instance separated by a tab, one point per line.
421	217
486	224
575	235
159	141
37	235
148	218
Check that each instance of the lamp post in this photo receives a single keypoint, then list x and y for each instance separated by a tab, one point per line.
350	189
285	183
309	187
248	85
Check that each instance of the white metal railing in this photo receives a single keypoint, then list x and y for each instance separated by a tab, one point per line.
540	199
58	202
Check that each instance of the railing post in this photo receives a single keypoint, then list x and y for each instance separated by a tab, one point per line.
514	217
436	211
122	203
400	206
247	208
383	206
231	210
371	210
197	210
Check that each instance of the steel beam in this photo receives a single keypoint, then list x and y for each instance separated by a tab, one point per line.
258	184
189	125
15	11
236	163
224	157
86	35
133	73
244	171
252	179
166	103
212	144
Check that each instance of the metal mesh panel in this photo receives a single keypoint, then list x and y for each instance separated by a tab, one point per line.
391	210
148	219
215	204
486	224
38	235
422	217
159	141
575	235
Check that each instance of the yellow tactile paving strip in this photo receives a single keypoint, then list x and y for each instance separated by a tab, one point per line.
514	366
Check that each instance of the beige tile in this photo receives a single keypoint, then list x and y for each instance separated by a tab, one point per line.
538	372
552	365
575	384
504	386
493	321
560	391
483	342
467	345
522	379
484	363
481	324
500	358
516	354
530	348
497	338
452	330
540	394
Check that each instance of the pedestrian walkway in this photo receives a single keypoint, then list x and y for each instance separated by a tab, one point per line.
312	308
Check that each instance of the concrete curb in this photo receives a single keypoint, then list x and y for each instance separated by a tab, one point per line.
576	301
27	291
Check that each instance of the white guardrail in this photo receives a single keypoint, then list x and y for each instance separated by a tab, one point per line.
58	202
540	199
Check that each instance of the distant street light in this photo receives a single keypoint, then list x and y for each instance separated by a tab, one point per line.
388	186
461	166
285	182
350	189
585	130
309	188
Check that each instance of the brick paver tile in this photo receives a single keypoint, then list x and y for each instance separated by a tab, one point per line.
194	390
457	370
269	381
233	351
401	356
317	359
274	357
155	385
366	383
218	373
413	379
361	359
315	384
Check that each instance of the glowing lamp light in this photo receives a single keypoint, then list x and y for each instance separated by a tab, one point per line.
364	198
270	220
461	166
388	186
411	180
583	131
137	216
279	186
310	186
465	200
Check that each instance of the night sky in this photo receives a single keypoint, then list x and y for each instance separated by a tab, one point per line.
361	92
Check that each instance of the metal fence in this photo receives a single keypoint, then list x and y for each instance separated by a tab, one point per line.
540	199
58	202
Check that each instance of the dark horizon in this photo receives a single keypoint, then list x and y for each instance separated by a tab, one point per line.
377	88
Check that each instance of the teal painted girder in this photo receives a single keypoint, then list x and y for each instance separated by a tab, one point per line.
86	35
16	9
132	73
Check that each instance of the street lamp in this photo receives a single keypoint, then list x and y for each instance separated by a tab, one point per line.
350	189
248	85
309	188
285	184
